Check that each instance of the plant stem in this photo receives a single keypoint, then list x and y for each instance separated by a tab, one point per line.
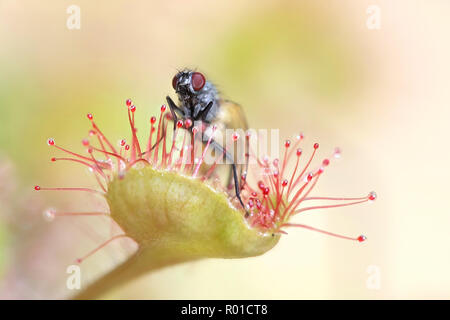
144	260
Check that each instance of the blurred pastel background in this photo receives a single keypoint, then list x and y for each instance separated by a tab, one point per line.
382	95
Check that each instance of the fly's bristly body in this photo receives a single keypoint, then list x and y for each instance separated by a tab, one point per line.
199	100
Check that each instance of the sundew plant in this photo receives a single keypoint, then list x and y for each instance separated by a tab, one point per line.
163	195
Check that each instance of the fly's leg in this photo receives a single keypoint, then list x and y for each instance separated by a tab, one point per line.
246	157
218	147
204	113
237	189
242	168
174	109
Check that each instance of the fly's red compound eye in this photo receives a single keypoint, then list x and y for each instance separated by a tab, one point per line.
174	82
198	81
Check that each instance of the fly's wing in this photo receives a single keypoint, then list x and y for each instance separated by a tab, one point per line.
230	119
231	115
